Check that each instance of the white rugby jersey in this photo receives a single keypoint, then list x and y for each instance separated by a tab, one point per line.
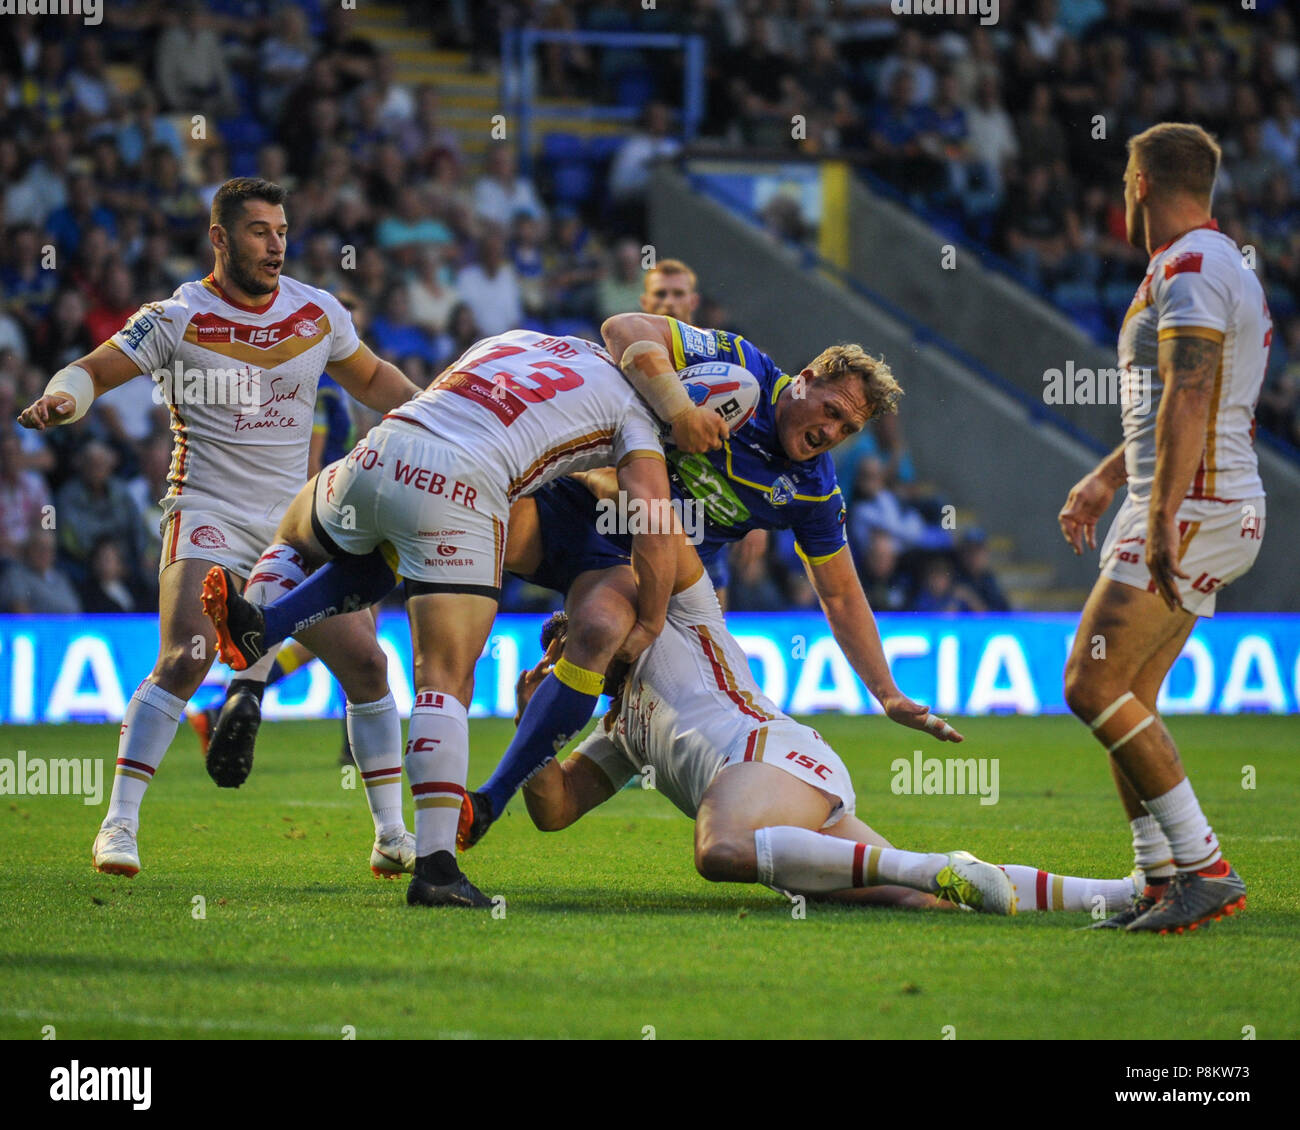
1198	285
690	700
242	405
531	407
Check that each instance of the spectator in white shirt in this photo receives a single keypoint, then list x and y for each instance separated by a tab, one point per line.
431	298
489	287
501	193
629	175
991	134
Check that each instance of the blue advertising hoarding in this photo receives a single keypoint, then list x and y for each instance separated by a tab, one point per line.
84	668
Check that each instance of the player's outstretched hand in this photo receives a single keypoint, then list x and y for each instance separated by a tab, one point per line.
699	429
1087	502
529	681
905	712
47	411
1162	559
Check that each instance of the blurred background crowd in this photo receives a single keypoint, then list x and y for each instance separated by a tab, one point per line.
988	131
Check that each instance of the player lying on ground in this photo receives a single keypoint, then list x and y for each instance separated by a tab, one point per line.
431	486
772	802
1198	331
258	341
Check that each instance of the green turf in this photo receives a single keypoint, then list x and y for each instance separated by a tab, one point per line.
608	930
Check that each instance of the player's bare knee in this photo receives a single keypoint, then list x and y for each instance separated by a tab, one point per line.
594	635
181	667
366	679
726	859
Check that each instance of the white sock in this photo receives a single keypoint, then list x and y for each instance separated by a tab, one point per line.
1041	890
437	761
147	730
798	859
1151	851
1190	836
375	734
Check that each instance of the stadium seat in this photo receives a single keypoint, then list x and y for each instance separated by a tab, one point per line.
573	182
573	327
243	132
635	87
558	147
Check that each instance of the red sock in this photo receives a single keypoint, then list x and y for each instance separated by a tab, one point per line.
1216	870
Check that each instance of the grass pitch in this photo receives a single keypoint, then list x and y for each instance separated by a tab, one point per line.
608	931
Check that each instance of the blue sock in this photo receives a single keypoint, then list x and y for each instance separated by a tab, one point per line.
346	584
559	708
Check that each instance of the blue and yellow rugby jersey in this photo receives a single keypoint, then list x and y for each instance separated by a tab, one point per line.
750	484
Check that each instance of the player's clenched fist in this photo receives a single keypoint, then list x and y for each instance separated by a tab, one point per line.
699	429
1087	502
47	411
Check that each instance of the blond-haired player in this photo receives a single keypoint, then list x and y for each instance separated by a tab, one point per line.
237	356
1192	353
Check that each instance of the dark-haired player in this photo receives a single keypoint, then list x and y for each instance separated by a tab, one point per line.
237	356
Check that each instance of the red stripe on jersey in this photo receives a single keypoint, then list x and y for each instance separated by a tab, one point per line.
520	485
1040	890
1189	262
750	742
859	853
720	677
496	398
209	327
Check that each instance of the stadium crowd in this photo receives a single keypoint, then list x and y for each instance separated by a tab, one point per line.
988	129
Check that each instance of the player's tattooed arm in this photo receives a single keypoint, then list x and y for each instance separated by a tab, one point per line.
1190	366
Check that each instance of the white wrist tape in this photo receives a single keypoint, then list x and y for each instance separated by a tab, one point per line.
648	367
75	382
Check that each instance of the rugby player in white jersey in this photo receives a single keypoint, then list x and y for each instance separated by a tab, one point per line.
431	487
772	802
1197	333
237	356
